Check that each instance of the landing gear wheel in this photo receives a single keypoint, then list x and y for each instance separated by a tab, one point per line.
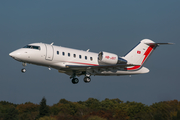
87	79
75	80
23	70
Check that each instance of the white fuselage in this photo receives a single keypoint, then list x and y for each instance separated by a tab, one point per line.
58	57
75	62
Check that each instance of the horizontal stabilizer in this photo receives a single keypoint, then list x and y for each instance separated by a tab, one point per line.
159	43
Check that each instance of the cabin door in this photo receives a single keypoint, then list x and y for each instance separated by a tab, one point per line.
49	52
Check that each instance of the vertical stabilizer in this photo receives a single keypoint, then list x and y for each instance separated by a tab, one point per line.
140	53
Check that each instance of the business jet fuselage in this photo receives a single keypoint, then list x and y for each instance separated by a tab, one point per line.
75	62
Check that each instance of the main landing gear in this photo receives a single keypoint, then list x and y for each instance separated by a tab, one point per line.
86	79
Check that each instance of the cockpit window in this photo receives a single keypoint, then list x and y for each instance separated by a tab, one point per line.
27	46
32	47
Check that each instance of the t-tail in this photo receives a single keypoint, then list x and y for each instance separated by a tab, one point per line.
140	53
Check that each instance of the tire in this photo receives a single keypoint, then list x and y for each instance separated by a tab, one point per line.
87	79
75	80
23	70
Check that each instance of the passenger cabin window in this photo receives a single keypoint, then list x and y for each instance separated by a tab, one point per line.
32	47
58	52
91	58
69	54
80	56
74	55
63	53
86	57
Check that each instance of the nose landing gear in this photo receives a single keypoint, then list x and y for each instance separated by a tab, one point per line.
23	70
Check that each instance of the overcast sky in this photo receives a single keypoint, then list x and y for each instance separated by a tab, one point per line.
102	25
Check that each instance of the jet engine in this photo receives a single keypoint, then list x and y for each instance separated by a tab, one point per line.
105	58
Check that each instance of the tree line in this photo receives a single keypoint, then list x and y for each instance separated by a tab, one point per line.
91	109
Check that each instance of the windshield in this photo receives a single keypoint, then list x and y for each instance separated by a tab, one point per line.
32	47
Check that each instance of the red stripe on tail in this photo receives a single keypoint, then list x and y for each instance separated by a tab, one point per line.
148	51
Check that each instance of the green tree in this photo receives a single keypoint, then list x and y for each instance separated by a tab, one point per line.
92	103
64	107
160	111
43	109
8	111
55	109
81	109
178	116
110	104
64	101
70	109
135	110
116	101
28	111
12	114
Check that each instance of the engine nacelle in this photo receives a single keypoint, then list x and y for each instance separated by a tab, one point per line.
109	58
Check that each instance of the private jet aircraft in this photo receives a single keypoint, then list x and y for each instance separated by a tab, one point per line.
75	62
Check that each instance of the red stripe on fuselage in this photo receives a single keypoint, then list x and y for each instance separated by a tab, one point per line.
148	51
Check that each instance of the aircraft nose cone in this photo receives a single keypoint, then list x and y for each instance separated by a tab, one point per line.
14	54
17	55
11	54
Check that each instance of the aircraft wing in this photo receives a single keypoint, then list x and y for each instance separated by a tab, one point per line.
99	66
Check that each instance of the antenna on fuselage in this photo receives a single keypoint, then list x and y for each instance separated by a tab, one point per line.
87	50
52	43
